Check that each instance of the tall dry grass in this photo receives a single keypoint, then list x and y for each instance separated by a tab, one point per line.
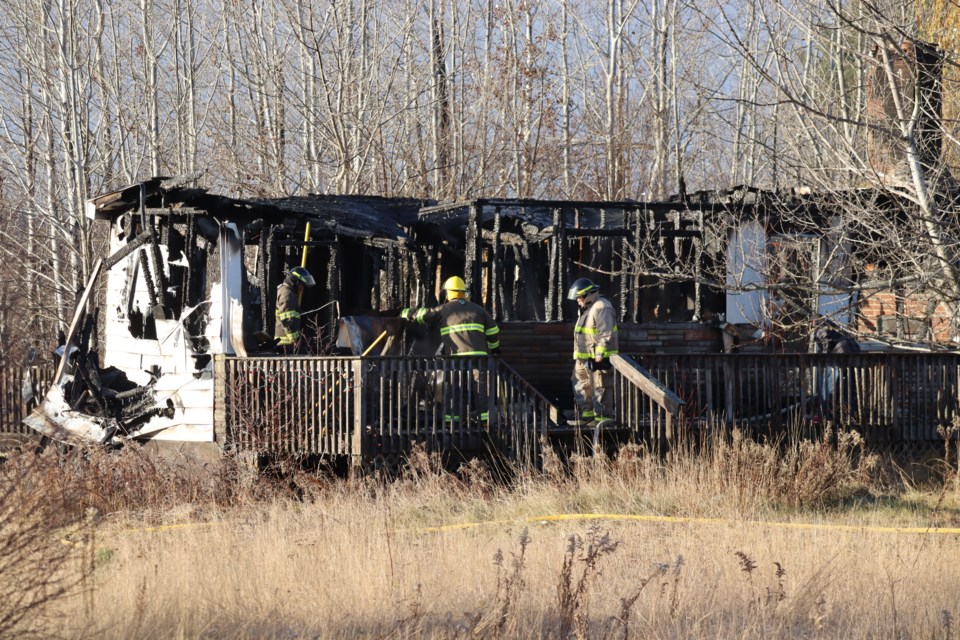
216	557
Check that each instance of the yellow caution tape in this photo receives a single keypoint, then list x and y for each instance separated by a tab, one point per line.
171	527
563	517
688	520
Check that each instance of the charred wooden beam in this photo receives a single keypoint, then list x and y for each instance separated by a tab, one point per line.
561	280
333	284
496	287
263	276
127	249
148	278
556	279
472	253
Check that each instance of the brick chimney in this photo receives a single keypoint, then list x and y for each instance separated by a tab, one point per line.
918	69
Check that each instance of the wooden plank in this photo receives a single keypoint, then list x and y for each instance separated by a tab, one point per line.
77	314
359	414
639	376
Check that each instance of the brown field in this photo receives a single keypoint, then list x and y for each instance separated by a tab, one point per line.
740	540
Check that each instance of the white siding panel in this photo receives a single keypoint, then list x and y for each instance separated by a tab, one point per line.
189	398
192	397
192	426
746	260
129	344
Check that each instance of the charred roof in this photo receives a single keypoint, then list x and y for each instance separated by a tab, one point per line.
362	217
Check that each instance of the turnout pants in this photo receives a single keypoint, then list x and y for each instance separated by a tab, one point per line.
593	391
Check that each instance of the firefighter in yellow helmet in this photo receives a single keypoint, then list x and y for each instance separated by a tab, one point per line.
594	341
287	330
466	329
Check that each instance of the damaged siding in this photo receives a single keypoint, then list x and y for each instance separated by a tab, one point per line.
147	348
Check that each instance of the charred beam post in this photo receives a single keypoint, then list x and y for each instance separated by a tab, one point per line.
127	249
698	268
160	311
597	249
553	276
560	271
420	263
472	252
514	290
633	279
552	272
263	272
148	278
333	284
177	266
497	297
273	265
157	298
625	271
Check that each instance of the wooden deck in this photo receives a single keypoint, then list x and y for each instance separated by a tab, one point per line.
12	407
378	408
888	397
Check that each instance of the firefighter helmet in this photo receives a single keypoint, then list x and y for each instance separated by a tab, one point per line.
581	287
299	275
455	288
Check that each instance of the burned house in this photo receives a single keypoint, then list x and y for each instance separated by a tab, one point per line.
190	281
172	341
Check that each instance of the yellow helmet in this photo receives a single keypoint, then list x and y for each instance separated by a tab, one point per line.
455	287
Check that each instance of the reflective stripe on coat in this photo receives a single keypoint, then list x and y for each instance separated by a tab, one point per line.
466	329
595	333
287	328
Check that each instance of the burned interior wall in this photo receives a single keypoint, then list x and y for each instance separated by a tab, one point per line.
519	256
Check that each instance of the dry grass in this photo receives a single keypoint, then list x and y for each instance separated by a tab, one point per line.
366	558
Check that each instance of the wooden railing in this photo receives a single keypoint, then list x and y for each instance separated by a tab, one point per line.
888	397
644	405
310	405
375	409
12	407
523	415
296	406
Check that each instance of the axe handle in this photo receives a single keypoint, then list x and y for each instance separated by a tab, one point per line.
303	260
375	343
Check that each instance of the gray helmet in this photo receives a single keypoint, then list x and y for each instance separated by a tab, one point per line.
581	287
299	275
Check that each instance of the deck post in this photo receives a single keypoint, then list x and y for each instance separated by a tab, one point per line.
220	399
359	414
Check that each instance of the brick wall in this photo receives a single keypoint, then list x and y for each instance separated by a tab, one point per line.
878	315
543	352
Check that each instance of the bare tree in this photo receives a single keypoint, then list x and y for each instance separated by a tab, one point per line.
856	97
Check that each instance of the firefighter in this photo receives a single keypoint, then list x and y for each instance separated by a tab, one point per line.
836	391
594	341
466	329
287	329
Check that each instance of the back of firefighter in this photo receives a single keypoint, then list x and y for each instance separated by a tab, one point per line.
466	329
287	329
594	341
